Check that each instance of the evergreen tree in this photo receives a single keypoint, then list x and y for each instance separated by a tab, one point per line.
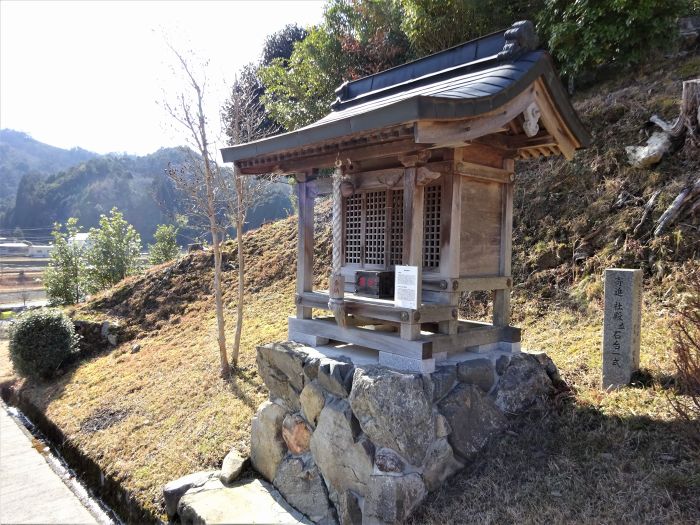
64	279
113	253
165	248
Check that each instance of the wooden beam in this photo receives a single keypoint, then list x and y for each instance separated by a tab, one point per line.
480	284
375	150
456	133
413	203
392	178
305	246
413	211
501	298
379	340
487	173
489	150
523	142
470	334
378	309
320	186
551	121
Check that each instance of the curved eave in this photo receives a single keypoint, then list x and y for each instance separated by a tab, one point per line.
378	115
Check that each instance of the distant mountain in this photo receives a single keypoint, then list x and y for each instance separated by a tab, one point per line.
20	155
138	186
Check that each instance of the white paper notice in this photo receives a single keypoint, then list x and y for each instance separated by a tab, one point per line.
406	287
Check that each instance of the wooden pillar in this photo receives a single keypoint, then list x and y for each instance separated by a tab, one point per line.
305	244
413	210
451	249
501	298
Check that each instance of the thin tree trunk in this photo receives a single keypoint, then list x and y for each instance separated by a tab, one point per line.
240	221
225	368
239	307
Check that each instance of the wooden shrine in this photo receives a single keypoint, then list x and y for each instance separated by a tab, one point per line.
423	170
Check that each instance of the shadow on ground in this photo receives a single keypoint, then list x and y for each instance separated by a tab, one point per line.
577	465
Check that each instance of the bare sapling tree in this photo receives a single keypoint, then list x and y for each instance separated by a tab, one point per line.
244	121
199	178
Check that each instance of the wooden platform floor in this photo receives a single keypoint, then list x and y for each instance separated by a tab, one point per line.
470	335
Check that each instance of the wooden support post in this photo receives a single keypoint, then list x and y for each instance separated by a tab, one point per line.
451	248
410	331
305	245
413	210
501	298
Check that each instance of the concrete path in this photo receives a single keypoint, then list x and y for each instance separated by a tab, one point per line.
30	491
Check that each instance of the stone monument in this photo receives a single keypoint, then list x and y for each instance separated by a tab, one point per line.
622	326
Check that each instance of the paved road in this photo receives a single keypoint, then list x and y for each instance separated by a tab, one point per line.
30	491
15	301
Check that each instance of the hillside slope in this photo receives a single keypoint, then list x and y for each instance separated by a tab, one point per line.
152	415
577	218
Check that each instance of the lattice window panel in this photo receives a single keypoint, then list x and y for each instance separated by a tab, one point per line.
353	229
396	233
375	226
431	234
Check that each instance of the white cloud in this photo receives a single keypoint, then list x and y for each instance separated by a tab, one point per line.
89	74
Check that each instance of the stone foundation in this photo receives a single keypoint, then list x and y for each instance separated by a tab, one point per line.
347	440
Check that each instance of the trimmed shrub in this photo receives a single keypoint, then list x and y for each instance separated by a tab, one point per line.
40	340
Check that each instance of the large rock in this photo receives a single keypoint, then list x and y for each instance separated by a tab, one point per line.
311	365
502	364
174	490
524	384
232	466
391	499
549	367
336	377
473	418
440	382
296	434
479	372
349	507
281	366
440	463
249	501
442	426
286	357
387	460
394	411
343	456
312	401
299	481
267	448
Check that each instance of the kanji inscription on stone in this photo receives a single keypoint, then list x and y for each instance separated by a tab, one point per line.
622	326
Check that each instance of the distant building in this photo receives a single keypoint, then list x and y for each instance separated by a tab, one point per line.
38	250
81	240
13	249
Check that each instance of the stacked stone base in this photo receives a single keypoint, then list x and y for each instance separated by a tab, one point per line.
356	443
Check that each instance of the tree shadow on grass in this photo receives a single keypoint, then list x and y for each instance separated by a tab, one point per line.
244	374
576	466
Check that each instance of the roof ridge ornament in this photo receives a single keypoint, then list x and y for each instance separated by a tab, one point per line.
520	38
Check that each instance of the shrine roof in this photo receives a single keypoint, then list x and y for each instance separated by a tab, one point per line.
466	81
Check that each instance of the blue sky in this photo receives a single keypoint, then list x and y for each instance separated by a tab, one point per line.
91	74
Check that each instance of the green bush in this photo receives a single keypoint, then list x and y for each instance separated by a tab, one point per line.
40	340
585	34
